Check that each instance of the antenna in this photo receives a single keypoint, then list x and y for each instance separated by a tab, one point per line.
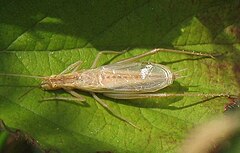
22	75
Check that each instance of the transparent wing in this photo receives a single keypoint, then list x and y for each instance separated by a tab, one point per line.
134	77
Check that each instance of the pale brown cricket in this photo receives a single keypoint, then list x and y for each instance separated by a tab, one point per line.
125	79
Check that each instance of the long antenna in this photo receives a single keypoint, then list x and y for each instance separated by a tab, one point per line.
22	75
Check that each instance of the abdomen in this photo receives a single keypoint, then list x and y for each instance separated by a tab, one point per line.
126	78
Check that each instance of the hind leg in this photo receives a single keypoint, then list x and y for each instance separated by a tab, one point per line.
157	50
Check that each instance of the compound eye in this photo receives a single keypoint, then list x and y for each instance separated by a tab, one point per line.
54	85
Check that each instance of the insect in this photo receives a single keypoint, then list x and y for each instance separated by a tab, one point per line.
125	79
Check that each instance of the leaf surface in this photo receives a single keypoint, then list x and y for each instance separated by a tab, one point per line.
44	37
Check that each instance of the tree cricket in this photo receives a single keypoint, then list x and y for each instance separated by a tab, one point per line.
125	79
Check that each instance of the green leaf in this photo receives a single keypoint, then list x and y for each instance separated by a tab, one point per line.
44	37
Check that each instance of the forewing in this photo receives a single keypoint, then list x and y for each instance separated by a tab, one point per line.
134	77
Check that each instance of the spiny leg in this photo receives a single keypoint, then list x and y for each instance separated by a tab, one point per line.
76	97
162	95
112	111
154	51
72	68
105	52
75	94
63	99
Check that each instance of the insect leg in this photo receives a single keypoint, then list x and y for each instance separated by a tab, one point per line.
63	99
72	68
154	51
75	94
111	111
105	52
76	97
161	95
